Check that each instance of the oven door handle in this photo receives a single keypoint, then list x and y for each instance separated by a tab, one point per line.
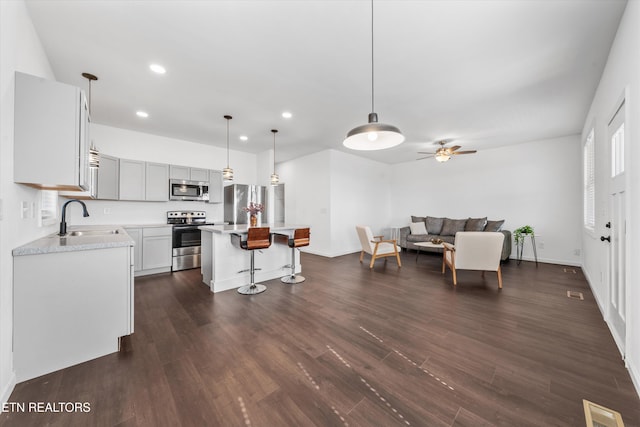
186	226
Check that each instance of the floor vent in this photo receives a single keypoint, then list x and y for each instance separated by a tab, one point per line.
599	416
570	270
575	295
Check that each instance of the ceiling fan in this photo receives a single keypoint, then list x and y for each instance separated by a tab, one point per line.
443	153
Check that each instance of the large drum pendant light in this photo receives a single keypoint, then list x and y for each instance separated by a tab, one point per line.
373	135
227	173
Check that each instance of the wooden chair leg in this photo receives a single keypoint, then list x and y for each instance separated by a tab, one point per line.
455	279
398	256
373	258
499	278
361	256
482	274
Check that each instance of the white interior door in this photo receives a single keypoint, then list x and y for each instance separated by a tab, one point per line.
618	304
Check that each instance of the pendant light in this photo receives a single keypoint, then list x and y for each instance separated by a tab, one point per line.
227	173
275	179
373	135
94	155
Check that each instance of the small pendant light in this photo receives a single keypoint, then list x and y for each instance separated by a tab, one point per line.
373	135
227	173
275	179
94	155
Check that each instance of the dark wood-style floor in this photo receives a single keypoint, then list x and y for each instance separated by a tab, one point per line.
352	347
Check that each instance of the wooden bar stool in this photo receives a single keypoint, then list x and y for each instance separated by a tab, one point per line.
300	238
255	239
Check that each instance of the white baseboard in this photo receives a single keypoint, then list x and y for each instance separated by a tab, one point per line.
550	261
635	378
8	389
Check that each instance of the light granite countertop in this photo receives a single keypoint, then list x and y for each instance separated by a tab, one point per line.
242	228
54	243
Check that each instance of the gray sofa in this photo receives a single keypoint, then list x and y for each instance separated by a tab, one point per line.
446	229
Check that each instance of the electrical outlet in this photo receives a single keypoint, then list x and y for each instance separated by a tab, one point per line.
106	211
24	210
576	252
541	245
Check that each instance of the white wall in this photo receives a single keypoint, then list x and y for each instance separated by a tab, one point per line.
621	76
332	192
359	194
534	183
20	50
307	199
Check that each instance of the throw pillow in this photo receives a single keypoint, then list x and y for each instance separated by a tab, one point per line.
417	218
418	228
475	224
494	225
434	225
451	226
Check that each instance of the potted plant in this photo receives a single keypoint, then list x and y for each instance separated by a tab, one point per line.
519	233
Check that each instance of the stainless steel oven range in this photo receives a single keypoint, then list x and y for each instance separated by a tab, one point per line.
186	238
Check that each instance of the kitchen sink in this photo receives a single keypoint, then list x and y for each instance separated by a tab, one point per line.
78	233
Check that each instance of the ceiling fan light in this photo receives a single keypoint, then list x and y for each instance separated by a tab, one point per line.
442	157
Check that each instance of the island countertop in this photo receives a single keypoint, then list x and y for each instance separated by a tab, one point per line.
242	228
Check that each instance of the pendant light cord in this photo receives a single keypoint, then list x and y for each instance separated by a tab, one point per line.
227	117
372	86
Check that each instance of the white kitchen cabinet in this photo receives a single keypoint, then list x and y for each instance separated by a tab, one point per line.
153	251
108	178
136	235
216	194
69	307
132	180
51	134
201	175
156	249
157	182
179	172
189	174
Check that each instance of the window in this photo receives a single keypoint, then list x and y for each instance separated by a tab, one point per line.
617	152
48	207
589	179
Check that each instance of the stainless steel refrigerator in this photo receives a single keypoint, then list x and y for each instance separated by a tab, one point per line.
237	197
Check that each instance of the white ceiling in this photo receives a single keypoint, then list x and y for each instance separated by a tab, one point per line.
487	73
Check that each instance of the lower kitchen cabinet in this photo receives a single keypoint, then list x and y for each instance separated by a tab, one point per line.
69	307
153	249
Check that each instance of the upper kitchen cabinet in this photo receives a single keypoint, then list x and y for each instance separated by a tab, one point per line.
216	194
108	178
132	180
157	182
51	135
188	174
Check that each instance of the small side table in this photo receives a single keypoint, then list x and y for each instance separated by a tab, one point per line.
520	248
426	245
394	233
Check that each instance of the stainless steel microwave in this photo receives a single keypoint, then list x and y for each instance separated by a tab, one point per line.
180	189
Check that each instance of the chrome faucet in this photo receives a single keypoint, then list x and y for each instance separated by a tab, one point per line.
63	223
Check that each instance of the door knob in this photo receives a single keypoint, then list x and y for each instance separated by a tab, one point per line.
608	239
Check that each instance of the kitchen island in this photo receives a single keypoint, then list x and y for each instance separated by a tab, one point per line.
222	261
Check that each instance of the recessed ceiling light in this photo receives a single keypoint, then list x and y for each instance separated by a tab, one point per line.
287	115
142	114
244	138
157	68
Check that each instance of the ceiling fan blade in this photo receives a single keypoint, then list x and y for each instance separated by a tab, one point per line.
425	152
454	148
422	158
465	152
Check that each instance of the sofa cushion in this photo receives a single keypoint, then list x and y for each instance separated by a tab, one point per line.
418	228
494	225
475	224
451	226
434	225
